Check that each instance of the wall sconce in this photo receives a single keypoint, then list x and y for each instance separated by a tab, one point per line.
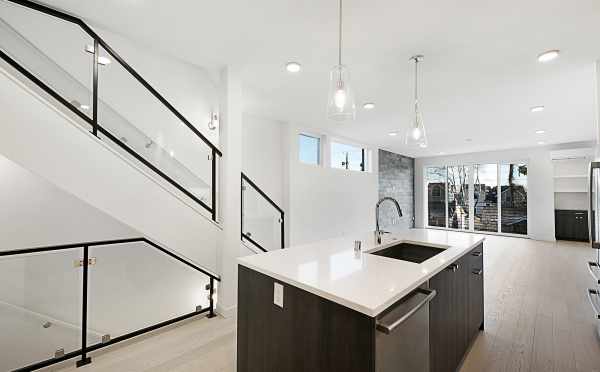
214	121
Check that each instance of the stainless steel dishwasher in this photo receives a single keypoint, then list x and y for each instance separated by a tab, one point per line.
402	340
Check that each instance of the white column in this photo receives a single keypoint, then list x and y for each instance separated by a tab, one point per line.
597	108
229	182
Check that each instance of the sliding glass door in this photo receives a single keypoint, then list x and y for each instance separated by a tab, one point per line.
513	207
478	197
485	187
435	178
458	197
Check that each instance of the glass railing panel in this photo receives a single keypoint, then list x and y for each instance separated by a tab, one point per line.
134	116
53	50
40	307
133	286
261	221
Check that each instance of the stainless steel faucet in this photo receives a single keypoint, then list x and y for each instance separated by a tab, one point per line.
379	232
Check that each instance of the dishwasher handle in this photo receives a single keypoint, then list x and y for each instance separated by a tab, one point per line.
591	293
592	267
388	328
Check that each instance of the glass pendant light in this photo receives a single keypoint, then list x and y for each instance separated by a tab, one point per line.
340	105
416	134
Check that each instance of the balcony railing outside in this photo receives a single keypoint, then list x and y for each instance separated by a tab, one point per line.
62	302
262	219
64	57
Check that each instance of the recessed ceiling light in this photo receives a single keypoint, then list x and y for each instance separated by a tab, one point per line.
103	61
441	153
541	143
423	145
540	131
393	134
468	139
537	109
292	67
548	55
369	106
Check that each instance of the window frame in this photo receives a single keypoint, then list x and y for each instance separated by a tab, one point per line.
365	155
319	148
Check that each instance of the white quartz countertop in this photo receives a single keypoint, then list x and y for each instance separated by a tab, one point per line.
364	282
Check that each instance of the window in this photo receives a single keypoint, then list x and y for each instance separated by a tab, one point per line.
309	149
436	196
479	197
513	200
485	185
458	197
349	157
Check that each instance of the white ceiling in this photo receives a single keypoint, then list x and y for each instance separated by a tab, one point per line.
480	74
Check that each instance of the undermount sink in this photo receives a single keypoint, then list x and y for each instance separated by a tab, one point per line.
409	252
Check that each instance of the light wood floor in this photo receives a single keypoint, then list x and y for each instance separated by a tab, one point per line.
537	319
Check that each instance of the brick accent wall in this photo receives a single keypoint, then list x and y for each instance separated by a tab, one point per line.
396	179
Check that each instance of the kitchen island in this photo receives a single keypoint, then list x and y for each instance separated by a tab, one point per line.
324	306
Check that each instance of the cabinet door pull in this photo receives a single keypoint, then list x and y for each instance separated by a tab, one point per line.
476	254
389	327
453	267
591	293
477	272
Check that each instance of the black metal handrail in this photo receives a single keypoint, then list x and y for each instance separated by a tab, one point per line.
246	236
85	348
93	122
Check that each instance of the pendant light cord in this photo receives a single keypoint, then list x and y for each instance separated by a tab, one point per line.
340	37
416	79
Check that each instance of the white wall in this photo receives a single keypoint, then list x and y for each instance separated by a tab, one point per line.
319	202
540	203
262	154
37	213
324	202
597	108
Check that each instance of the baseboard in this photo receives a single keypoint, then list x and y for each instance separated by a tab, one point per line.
226	312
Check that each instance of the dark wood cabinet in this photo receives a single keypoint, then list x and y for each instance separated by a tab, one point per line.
475	284
309	334
456	314
442	321
571	224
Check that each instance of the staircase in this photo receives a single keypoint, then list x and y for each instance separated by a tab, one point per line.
169	166
77	114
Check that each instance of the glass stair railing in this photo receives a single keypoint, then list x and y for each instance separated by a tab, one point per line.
263	222
63	302
66	59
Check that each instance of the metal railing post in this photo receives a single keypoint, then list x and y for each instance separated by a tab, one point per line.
84	358
211	292
282	230
95	90
214	185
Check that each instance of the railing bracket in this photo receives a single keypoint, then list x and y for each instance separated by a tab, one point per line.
83	362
